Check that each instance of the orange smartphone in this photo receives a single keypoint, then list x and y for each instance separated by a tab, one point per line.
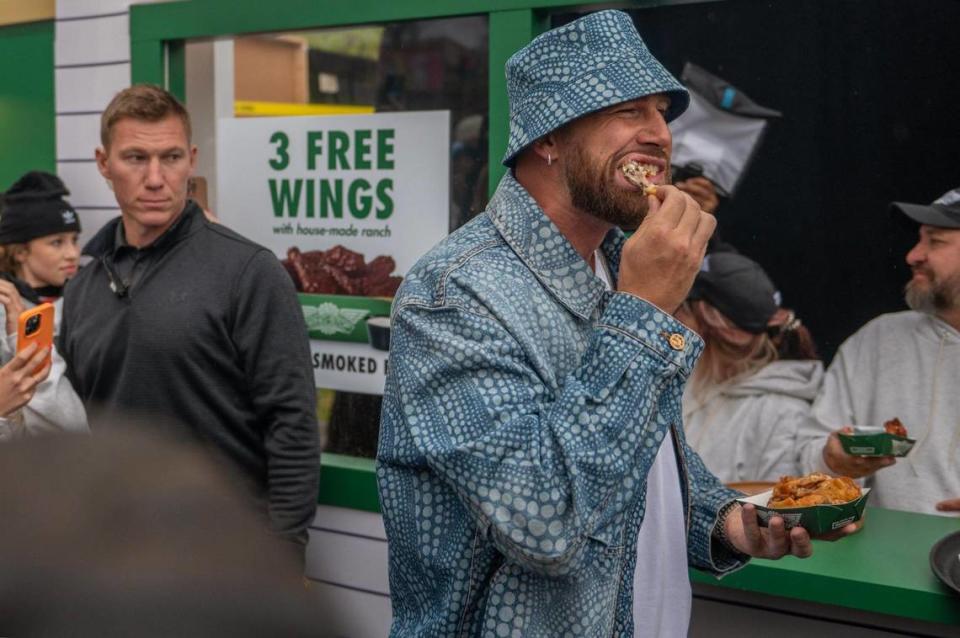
36	326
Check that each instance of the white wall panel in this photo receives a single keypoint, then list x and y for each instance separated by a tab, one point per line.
92	220
90	41
348	560
87	187
86	8
89	88
352	521
351	614
209	71
77	136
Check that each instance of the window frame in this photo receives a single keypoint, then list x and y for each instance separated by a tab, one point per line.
159	32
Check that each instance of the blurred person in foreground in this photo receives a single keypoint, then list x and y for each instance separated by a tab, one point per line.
184	321
134	534
38	254
905	365
751	391
533	473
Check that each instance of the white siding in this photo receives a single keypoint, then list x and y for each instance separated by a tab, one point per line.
93	41
92	63
77	136
347	564
87	188
86	89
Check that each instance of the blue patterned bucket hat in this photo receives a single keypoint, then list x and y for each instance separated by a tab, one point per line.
587	65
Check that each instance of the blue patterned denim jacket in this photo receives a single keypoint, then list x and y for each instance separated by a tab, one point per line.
523	408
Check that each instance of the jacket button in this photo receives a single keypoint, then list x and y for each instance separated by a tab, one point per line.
677	342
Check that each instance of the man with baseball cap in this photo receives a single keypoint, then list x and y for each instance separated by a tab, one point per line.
905	365
739	288
533	473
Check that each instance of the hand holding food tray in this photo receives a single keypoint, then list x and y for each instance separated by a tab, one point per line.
890	440
818	503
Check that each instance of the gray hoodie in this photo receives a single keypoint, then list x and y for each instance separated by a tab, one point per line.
747	430
54	406
905	365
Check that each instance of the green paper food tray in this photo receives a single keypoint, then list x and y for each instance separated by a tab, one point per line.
816	519
875	442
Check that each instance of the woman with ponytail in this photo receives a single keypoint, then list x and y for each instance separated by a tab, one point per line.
759	372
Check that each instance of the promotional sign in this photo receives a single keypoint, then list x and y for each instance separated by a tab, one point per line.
349	203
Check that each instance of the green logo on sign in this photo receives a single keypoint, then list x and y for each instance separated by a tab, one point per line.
328	319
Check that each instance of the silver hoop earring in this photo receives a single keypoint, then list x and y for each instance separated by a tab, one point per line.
549	159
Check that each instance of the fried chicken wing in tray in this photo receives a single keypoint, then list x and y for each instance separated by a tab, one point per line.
819	503
890	440
894	427
813	489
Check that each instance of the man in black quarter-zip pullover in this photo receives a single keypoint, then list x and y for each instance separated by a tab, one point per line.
179	320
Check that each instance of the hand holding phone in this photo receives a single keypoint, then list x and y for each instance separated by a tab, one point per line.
17	382
12	305
35	326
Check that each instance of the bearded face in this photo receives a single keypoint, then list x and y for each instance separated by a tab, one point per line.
935	262
931	294
594	148
593	189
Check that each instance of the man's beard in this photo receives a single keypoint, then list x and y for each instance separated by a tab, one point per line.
591	191
937	296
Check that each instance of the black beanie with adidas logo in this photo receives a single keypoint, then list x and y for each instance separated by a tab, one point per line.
34	207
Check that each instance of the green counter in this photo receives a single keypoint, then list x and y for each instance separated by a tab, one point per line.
348	481
882	569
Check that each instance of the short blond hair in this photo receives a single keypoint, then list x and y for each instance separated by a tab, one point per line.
144	102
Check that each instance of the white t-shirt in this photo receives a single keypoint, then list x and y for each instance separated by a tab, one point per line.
661	584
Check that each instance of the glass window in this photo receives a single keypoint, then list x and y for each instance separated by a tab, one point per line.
417	65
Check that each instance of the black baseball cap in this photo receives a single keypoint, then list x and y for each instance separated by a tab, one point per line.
944	212
739	288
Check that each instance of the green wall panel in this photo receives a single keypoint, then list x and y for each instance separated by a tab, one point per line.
348	481
509	31
27	120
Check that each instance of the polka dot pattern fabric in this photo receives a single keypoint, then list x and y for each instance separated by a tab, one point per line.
587	65
523	408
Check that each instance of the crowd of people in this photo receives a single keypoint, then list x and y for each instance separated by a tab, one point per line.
565	403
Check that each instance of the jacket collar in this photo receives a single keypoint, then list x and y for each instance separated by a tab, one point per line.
105	241
546	252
